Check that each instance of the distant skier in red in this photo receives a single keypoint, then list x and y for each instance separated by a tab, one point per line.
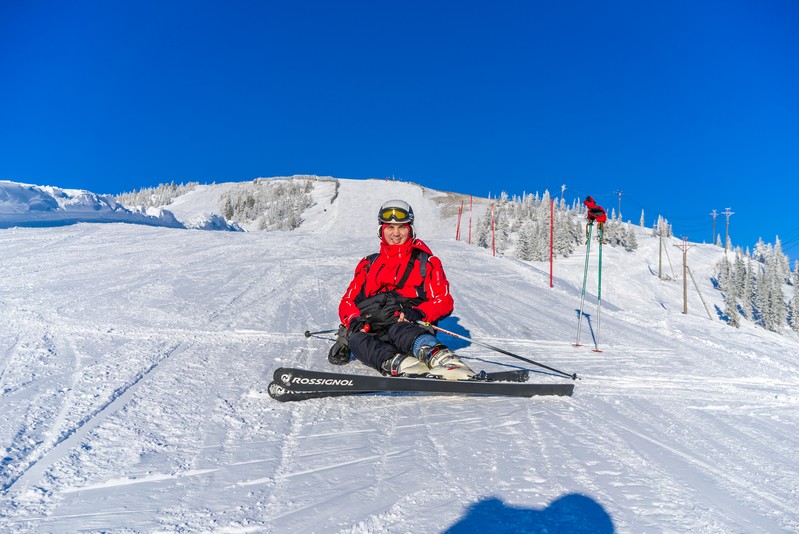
595	213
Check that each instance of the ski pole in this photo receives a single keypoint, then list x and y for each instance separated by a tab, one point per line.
497	349
599	291
308	333
585	278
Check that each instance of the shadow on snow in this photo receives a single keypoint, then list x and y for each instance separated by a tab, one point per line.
573	513
454	343
590	324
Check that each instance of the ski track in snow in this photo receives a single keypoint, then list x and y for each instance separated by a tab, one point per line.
135	362
62	436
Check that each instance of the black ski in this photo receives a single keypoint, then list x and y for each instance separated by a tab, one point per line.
280	393
300	384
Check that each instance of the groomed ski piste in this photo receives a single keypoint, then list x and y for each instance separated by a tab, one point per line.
134	362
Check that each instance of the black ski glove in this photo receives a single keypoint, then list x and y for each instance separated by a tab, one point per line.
340	351
412	314
356	325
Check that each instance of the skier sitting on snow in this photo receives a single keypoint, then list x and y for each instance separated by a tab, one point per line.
389	293
595	213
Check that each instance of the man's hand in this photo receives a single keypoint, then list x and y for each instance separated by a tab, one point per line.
411	315
340	351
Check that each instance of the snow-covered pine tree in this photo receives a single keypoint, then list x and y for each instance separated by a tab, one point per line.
542	241
482	235
723	273
610	232
631	242
762	251
794	309
564	235
731	308
748	294
739	273
502	223
525	248
770	296
662	227
782	263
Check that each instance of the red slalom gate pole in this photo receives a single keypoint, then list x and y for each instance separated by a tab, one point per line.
551	238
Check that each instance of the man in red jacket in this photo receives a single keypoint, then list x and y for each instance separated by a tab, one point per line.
391	291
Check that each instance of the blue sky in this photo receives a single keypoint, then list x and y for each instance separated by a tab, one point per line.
684	106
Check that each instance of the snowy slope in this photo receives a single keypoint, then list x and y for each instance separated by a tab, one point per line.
134	360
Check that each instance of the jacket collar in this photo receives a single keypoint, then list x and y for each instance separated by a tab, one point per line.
396	250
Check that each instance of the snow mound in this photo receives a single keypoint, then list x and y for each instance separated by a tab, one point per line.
32	205
212	221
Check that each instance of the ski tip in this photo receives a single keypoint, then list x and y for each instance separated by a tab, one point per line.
277	392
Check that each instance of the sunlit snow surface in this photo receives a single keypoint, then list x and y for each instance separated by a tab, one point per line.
134	362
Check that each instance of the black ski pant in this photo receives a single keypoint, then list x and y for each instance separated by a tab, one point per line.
374	349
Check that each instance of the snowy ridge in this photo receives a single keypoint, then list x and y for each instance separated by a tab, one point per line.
31	205
134	363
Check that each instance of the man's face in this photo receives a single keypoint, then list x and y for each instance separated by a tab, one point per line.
396	234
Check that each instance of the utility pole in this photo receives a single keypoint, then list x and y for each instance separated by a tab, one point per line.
684	246
727	212
620	193
714	214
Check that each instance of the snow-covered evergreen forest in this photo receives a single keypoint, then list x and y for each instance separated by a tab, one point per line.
155	197
521	227
272	204
262	204
757	287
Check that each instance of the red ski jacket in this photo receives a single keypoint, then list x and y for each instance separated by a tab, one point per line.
387	270
595	211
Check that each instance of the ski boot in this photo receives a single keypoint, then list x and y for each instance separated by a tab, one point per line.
444	363
404	365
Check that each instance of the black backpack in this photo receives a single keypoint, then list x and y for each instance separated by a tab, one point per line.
380	310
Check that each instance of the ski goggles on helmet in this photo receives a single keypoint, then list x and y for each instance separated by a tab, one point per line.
395	215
